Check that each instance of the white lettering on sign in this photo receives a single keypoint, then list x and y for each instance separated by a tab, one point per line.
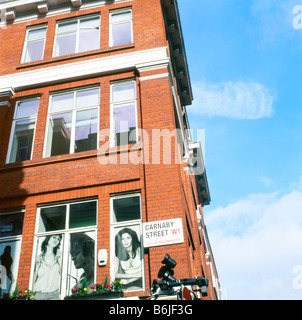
164	232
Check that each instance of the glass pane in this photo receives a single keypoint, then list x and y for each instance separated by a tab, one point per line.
89	39
59	134
128	257
81	261
11	224
121	33
87	98
48	265
82	214
69	26
34	50
125	91
90	23
126	209
52	218
118	17
27	108
86	130
9	256
36	34
22	141
65	44
62	102
124	124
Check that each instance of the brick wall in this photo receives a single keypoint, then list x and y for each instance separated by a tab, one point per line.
148	31
165	189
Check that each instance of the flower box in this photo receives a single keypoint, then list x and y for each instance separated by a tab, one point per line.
97	296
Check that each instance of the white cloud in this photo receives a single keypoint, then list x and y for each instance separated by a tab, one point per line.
257	245
239	100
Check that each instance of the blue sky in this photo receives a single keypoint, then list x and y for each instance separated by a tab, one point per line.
245	62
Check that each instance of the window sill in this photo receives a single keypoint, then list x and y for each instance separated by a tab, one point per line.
71	157
74	56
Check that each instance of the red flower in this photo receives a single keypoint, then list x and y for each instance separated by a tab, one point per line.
74	289
108	286
92	287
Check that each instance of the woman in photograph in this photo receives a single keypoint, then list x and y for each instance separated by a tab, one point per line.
47	276
82	255
128	264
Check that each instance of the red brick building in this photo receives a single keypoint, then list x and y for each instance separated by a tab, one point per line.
95	144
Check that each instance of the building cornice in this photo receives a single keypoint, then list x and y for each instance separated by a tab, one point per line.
12	11
177	49
6	94
83	69
197	168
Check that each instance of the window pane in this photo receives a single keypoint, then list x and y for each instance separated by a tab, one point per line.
124	124
22	141
52	219
118	17
90	23
9	255
36	34
34	50
11	224
89	39
125	91
86	130
27	108
69	26
65	44
59	134
62	102
81	262
121	33
48	267
126	209
82	214
87	98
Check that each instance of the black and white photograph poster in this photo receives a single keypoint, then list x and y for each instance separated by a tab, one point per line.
128	260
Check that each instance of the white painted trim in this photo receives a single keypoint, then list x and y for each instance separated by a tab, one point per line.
5	104
155	76
65	7
7	92
77	70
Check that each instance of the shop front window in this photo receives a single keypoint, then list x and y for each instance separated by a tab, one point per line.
127	252
10	244
65	249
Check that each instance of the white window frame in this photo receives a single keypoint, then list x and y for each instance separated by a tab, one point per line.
112	104
129	223
119	11
65	244
26	42
12	133
16	238
74	111
77	19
